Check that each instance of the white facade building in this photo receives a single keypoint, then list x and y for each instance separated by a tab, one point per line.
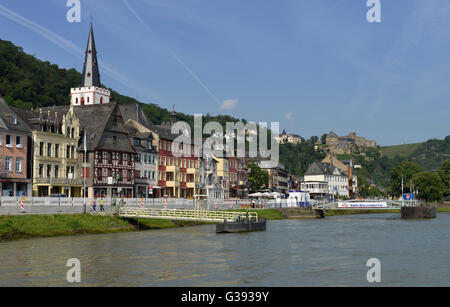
323	175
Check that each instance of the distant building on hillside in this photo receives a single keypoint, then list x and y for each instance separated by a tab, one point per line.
289	138
347	144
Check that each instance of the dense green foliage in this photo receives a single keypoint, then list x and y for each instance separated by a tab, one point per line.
27	82
375	167
431	154
429	185
258	178
444	173
368	190
405	170
297	157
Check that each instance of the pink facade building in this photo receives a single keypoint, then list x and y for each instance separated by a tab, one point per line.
15	170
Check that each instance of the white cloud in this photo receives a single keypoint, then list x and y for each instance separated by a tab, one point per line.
229	104
289	116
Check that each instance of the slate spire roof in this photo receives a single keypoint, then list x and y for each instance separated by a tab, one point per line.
91	74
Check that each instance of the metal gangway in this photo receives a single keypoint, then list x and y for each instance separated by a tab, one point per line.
210	216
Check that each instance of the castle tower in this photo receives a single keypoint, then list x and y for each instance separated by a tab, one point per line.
90	92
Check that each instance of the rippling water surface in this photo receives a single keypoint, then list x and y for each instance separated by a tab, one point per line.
328	252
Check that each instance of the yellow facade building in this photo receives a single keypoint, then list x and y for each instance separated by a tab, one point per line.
55	135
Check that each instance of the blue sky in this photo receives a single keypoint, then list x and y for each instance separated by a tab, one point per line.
312	65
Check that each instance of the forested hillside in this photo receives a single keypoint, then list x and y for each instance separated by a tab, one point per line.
27	82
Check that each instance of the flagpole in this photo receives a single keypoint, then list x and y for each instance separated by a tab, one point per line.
84	173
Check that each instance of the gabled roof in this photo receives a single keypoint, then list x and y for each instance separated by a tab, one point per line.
93	120
135	112
45	115
10	119
336	163
332	135
318	168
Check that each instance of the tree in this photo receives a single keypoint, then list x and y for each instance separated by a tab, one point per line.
429	185
368	190
313	139
258	178
405	170
323	139
444	173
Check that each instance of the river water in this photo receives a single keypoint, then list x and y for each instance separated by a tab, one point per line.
328	252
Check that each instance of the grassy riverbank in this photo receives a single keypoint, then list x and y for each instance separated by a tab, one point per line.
31	226
443	209
270	214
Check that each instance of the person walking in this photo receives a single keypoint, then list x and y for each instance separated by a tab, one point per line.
94	204
113	204
102	204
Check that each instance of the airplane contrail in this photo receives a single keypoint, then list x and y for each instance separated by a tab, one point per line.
64	44
176	57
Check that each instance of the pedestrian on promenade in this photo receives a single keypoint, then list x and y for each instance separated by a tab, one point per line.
102	204
94	204
113	203
121	202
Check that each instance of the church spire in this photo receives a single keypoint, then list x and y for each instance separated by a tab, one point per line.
90	92
91	74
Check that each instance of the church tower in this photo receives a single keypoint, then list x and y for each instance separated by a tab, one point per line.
90	92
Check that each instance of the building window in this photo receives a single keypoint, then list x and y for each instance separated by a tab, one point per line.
138	157
8	164
56	171
8	142
41	170
56	150
49	150
18	167
49	171
19	141
114	139
72	152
